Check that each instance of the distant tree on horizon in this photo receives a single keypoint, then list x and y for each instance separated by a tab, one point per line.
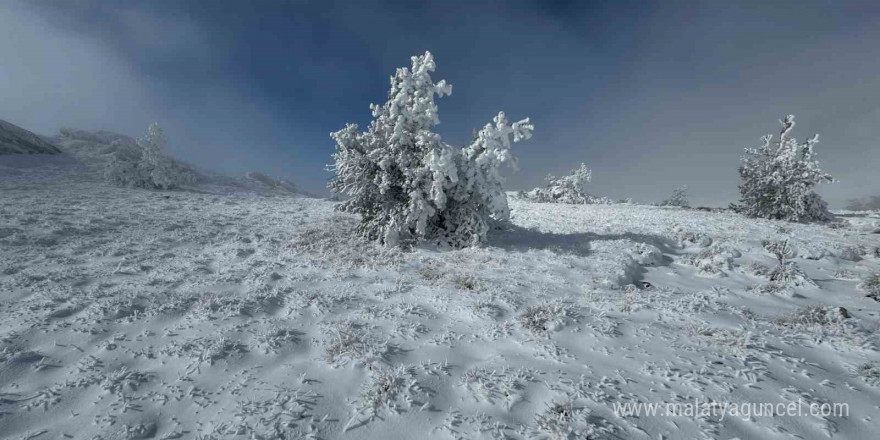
570	189
153	169
778	178
871	203
678	198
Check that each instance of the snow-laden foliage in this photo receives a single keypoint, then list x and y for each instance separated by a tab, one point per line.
152	169
679	198
871	286
778	179
407	184
567	189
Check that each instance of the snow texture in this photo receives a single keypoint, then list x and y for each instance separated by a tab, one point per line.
224	314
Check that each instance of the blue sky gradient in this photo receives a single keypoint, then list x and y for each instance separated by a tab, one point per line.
651	95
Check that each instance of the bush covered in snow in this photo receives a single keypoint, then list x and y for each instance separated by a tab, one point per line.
871	286
778	179
785	274
567	189
867	204
150	169
407	184
678	198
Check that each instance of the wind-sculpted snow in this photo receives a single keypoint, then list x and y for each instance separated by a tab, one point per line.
220	314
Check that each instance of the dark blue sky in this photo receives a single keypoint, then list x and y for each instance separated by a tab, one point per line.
651	95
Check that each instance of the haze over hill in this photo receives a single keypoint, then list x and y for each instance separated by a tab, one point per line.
16	140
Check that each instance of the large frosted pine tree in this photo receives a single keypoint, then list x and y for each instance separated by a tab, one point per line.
778	179
407	184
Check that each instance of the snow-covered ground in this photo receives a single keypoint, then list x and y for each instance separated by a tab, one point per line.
220	314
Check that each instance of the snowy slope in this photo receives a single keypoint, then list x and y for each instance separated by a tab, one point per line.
220	315
16	140
96	148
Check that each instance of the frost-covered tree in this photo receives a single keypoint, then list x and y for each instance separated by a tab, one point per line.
407	184
778	179
153	169
871	203
679	198
567	189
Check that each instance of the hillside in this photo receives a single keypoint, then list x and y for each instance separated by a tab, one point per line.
16	140
190	314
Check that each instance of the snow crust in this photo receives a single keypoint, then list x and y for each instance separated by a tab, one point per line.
226	314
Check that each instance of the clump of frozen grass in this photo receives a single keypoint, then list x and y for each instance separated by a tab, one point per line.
713	260
205	306
410	329
123	379
686	238
321	300
758	269
845	274
834	325
602	323
630	302
736	341
781	249
785	274
122	308
212	305
388	390
273	338
286	413
337	237
354	342
812	316
541	319
556	421
871	286
491	385
487	310
205	349
430	271
467	282
870	373
564	421
646	254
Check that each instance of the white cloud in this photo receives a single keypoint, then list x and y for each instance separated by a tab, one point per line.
51	78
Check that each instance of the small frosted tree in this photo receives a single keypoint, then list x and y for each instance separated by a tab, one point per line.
778	179
567	189
678	198
871	203
407	184
153	169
